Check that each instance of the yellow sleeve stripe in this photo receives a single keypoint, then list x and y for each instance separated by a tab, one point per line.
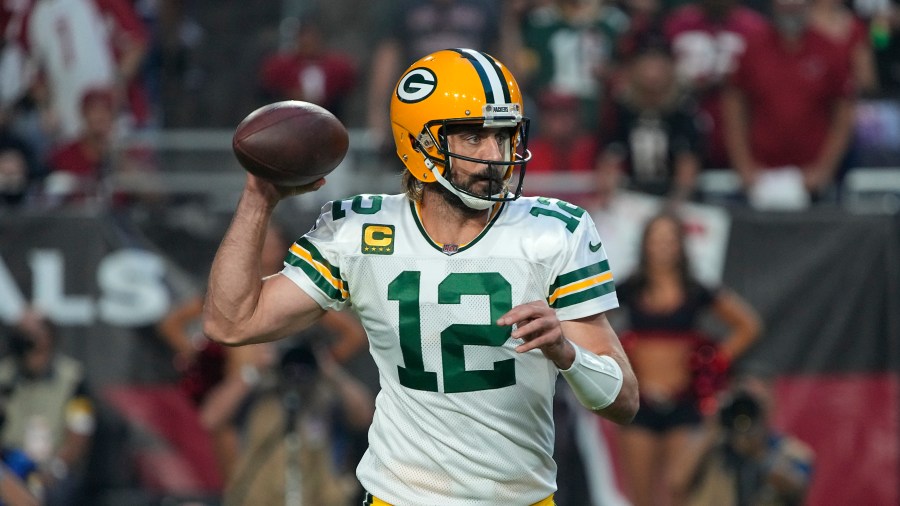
321	269
580	285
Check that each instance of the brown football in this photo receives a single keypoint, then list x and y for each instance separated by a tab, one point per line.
290	143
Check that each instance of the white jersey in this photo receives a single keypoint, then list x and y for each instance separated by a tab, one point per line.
461	418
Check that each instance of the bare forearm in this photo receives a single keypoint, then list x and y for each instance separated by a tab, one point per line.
742	318
173	328
235	280
357	401
223	402
687	166
241	307
737	343
597	336
131	60
734	114
351	335
13	491
625	406
835	144
746	326
623	409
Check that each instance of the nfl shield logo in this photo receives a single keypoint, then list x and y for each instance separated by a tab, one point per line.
450	249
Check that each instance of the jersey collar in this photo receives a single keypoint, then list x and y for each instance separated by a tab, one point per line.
451	249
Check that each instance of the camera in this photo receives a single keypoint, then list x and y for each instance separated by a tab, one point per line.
299	364
740	412
296	379
19	343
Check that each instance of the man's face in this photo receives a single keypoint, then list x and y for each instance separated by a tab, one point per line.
717	8
13	171
98	118
560	125
39	354
491	144
653	72
790	16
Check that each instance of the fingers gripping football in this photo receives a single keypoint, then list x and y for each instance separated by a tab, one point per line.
273	193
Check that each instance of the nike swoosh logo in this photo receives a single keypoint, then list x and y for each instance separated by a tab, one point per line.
594	247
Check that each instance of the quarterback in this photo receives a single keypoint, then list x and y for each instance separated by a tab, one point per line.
473	297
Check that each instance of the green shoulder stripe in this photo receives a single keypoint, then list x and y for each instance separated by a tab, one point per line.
590	293
317	256
309	259
579	274
316	277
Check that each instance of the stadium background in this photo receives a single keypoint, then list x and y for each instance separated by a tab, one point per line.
826	281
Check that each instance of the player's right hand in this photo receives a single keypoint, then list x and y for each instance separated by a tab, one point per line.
273	193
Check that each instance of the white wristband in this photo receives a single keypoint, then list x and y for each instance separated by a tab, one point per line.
595	379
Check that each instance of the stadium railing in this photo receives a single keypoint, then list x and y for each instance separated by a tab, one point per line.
199	164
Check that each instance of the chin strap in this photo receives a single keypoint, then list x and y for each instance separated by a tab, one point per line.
468	200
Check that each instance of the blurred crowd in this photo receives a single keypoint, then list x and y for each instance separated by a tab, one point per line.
272	423
645	95
641	96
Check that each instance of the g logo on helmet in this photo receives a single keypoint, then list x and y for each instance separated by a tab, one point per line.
416	85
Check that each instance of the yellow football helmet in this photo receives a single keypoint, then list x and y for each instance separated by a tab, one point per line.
457	86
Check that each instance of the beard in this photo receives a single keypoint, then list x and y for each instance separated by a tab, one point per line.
491	178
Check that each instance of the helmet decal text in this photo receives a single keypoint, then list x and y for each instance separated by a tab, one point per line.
416	85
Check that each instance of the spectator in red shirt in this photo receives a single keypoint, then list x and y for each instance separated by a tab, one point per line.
790	103
309	71
130	40
707	38
839	23
561	144
77	167
79	45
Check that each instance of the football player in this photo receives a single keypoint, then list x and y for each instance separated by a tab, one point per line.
473	297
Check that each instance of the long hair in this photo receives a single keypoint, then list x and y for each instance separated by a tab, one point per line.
412	187
683	263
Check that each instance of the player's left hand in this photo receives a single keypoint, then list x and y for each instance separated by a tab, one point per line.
536	324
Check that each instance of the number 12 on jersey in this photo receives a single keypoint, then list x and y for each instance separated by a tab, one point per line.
405	289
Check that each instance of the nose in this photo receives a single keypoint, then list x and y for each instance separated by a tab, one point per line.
491	149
